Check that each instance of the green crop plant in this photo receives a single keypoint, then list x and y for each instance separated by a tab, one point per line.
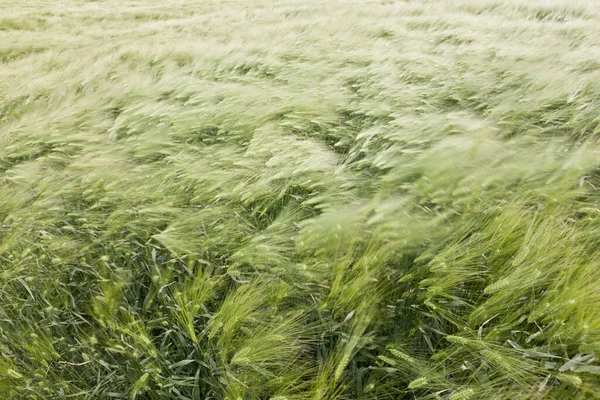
290	200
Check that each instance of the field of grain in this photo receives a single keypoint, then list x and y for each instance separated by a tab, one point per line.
300	200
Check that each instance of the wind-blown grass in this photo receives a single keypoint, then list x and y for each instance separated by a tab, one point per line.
299	200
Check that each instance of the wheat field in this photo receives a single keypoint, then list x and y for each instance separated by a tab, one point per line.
300	200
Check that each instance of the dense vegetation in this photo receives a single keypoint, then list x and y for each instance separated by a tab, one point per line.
299	199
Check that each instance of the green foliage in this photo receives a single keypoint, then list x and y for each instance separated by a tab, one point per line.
275	200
